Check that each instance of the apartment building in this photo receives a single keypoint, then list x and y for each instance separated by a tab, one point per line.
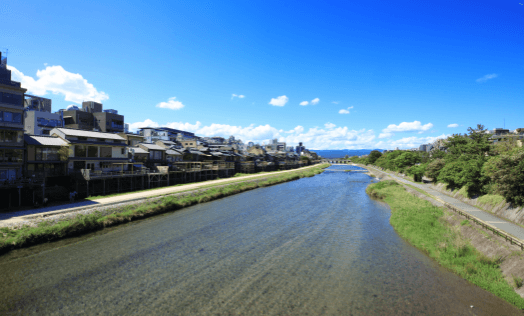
11	124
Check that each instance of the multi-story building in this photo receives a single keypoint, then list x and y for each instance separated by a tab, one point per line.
152	134
300	148
43	157
93	150
11	124
38	119
92	117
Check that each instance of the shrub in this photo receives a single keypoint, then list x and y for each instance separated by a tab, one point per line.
507	171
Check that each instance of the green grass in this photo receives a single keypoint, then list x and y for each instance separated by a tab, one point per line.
46	231
421	224
491	199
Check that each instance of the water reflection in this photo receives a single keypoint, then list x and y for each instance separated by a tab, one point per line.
316	245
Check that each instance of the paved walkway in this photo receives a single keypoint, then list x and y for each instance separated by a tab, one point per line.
129	197
487	217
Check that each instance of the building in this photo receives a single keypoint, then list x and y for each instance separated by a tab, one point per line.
152	134
423	147
92	117
93	150
300	148
43	158
38	118
132	139
11	124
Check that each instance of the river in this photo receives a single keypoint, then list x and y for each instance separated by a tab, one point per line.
314	246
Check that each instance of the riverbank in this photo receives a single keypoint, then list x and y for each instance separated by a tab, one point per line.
41	230
483	259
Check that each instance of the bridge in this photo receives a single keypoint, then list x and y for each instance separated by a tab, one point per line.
336	161
344	170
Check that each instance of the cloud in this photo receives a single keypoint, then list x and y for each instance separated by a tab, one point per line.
414	126
279	101
57	80
334	102
412	142
240	96
303	103
329	125
315	138
453	125
385	135
344	111
170	104
486	78
315	101
147	123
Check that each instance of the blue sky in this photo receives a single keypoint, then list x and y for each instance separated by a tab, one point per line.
375	74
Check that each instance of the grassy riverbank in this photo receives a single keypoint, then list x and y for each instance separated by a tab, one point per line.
422	224
27	236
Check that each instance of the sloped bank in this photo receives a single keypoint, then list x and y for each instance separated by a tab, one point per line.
49	229
481	258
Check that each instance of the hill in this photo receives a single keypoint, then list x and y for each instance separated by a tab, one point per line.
341	153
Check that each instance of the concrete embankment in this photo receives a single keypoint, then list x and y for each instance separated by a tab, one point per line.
45	227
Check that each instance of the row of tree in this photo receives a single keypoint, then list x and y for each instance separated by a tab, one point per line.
470	161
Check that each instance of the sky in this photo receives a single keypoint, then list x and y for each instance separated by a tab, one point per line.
330	74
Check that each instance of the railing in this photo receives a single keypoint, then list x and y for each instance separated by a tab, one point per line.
21	182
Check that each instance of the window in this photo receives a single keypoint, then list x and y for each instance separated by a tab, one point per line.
106	152
10	98
122	151
81	138
8	116
10	136
13	155
47	154
92	151
1	116
80	151
1	155
45	132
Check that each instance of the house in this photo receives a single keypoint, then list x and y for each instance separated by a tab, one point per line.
44	157
157	154
93	150
132	139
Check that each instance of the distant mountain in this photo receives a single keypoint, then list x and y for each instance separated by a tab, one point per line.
341	153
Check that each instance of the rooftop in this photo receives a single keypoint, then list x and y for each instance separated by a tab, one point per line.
82	133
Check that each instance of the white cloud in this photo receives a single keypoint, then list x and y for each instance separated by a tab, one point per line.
314	138
349	108
453	125
279	101
315	101
240	96
412	142
486	78
146	123
329	125
414	126
170	104
334	102
303	103
343	111
385	135
57	80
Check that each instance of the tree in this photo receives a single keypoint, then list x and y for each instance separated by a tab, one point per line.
406	159
433	169
373	156
417	172
507	171
63	152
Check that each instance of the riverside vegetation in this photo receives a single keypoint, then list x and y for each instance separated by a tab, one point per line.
471	164
82	224
422	224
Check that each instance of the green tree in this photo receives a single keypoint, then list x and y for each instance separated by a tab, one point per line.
373	156
417	172
507	172
433	169
406	159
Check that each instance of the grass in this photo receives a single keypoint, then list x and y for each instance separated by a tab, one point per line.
81	224
491	199
422	224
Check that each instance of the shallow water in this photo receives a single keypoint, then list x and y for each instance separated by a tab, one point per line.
313	246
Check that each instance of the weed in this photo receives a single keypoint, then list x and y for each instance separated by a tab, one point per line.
517	281
464	222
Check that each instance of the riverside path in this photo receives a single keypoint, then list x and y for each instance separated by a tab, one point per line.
20	216
502	224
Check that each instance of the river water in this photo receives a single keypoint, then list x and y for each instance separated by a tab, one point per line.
314	246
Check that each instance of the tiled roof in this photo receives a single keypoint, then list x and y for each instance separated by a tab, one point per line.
81	133
152	146
173	152
138	150
44	140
